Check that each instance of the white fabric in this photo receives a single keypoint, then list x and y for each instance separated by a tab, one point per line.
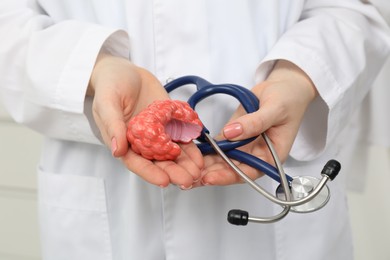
91	207
372	120
375	113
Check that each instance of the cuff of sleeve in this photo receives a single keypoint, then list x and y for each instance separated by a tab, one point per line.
321	116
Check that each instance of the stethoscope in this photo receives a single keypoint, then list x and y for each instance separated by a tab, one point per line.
299	194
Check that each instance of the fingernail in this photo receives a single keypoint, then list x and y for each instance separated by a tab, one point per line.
114	146
232	130
185	188
204	183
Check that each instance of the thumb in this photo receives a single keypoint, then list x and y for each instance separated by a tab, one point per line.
112	127
117	135
250	125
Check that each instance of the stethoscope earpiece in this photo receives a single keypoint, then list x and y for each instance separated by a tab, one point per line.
238	217
331	169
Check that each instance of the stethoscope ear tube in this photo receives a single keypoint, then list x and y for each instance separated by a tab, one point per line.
239	217
312	201
293	193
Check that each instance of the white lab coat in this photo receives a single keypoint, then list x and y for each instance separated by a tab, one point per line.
379	131
91	207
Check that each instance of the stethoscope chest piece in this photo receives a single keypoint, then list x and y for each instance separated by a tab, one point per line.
302	186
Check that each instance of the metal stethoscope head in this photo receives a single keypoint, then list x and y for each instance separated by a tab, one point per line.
297	194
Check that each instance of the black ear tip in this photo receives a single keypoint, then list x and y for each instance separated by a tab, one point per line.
331	169
238	217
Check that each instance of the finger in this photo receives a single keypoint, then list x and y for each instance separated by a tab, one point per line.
145	169
182	172
223	175
186	169
177	174
193	153
253	124
219	174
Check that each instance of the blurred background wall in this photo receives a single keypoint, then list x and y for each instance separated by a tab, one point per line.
19	153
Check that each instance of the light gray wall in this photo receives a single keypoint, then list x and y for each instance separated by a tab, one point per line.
19	153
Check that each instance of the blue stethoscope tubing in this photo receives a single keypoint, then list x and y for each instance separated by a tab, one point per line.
250	103
227	150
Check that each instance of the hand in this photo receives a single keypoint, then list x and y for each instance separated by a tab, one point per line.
120	90
284	98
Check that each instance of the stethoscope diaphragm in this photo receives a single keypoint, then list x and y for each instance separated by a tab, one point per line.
302	186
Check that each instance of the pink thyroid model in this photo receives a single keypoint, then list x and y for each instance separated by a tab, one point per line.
155	132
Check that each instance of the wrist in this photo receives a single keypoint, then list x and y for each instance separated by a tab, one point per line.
91	84
287	71
108	69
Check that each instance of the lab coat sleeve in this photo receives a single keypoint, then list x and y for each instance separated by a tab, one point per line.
45	67
341	45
